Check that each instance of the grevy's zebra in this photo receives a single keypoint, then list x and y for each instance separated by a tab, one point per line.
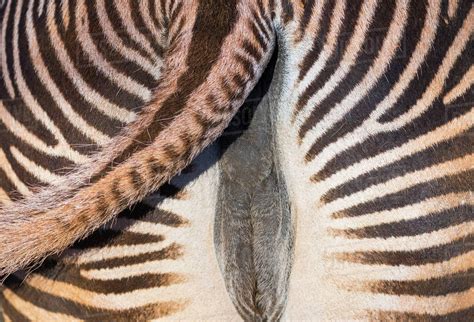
371	107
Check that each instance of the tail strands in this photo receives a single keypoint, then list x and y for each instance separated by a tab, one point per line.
196	99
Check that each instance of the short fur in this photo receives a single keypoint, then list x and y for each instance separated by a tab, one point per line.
179	122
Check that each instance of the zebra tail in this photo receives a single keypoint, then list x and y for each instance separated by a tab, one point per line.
217	52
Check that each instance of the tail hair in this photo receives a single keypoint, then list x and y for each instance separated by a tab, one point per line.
207	77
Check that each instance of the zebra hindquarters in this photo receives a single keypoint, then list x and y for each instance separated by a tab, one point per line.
377	149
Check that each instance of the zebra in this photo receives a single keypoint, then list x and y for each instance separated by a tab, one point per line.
370	115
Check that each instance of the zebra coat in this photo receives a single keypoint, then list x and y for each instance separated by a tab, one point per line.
348	197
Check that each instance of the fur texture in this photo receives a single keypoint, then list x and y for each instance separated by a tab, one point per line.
191	106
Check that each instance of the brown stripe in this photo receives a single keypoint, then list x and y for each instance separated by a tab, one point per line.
436	254
454	283
217	15
463	315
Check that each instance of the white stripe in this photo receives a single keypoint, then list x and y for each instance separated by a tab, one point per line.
452	8
405	243
364	272
418	210
400	183
118	44
33	312
36	170
90	95
11	175
379	67
5	72
123	81
42	72
163	266
462	87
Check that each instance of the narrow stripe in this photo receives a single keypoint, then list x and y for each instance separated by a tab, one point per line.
34	313
460	88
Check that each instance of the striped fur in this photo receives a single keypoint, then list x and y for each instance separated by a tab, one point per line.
192	104
371	119
377	153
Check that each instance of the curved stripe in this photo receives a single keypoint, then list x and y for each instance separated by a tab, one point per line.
367	13
90	95
444	133
403	244
401	183
3	54
434	305
11	175
122	301
98	61
22	133
411	71
30	101
367	272
36	170
110	252
460	88
419	210
34	313
119	46
381	63
124	11
437	84
337	19
43	74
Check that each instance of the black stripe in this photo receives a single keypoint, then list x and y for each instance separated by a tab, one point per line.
465	315
345	34
136	179
431	255
426	224
373	41
435	116
61	305
380	90
200	60
309	8
171	252
461	182
108	237
454	283
460	146
149	214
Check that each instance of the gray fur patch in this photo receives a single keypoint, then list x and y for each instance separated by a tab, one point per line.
253	226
